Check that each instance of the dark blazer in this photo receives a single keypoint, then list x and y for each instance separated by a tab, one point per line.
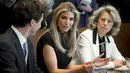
11	55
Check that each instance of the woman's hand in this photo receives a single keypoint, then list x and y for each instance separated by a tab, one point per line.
101	61
88	67
117	63
96	62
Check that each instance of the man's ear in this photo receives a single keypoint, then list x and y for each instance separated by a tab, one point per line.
32	22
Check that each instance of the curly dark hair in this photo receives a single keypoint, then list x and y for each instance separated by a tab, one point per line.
26	10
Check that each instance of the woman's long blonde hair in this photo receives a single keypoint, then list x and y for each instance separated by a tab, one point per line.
71	34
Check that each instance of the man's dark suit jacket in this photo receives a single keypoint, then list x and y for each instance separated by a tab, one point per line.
11	55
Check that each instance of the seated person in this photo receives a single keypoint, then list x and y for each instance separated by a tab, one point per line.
103	24
56	46
16	49
84	7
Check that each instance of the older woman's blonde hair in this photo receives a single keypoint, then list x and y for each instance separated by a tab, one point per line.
71	34
115	17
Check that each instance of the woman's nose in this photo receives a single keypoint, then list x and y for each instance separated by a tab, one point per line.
67	22
106	22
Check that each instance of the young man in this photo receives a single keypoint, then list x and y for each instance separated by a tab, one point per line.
14	56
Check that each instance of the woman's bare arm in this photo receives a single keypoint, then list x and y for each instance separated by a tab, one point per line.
51	62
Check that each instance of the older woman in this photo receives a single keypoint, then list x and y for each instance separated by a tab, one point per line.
57	45
103	24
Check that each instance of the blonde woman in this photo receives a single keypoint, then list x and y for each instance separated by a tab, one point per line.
103	24
57	45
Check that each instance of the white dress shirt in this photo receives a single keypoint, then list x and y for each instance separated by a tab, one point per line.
22	40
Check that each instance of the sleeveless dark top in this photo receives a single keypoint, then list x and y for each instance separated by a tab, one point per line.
62	59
